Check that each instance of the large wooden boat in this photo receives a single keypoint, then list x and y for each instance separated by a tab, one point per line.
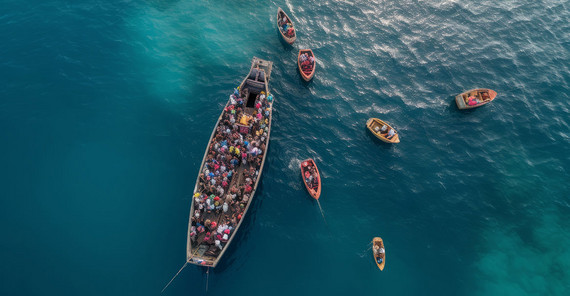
314	185
475	98
375	126
288	38
378	243
307	71
216	216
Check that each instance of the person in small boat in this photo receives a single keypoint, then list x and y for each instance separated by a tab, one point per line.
306	66
315	183
383	130
472	101
308	177
391	133
290	32
379	252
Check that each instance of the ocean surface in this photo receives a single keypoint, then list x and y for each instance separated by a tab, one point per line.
106	108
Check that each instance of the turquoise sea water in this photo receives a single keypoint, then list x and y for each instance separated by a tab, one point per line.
106	108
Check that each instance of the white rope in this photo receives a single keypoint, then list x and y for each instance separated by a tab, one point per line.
207	278
322	213
363	253
174	277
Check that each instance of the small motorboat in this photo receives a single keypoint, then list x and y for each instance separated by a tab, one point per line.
307	67
475	98
311	178
378	252
382	130
284	21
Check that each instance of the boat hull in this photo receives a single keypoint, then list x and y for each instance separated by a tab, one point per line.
196	252
287	39
460	99
374	122
314	193
306	77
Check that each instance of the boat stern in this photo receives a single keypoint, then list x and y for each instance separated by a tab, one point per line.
460	102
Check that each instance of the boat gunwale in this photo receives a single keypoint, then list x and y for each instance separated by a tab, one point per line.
189	255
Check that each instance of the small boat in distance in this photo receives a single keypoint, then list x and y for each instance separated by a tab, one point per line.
475	98
382	130
285	26
307	63
379	252
311	177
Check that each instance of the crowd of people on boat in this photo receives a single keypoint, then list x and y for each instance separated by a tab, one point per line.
230	170
307	62
311	176
473	100
286	26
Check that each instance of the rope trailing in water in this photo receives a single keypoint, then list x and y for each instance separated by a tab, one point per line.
207	277
181	268
361	254
174	277
322	213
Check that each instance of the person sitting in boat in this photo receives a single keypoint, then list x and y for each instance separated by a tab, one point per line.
312	59
290	32
379	252
308	178
283	21
383	130
303	57
315	183
306	66
391	133
472	101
